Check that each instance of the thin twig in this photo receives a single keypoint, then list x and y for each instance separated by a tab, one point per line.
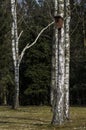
20	35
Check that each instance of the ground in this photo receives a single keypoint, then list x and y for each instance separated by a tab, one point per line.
39	118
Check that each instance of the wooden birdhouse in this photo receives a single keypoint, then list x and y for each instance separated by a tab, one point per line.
59	21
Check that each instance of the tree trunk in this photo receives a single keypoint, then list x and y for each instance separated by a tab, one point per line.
4	96
15	53
58	107
67	60
16	93
54	75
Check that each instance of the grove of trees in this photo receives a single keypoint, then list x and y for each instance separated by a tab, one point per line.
35	69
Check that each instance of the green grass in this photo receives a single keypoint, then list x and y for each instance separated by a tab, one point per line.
39	118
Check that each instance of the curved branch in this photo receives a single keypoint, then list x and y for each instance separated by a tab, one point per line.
30	45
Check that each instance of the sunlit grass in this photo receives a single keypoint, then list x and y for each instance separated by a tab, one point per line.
39	118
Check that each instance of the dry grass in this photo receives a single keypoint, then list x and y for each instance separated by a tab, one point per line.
39	118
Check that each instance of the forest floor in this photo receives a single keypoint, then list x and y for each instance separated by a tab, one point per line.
39	118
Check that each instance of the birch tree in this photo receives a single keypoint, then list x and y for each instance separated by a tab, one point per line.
14	33
62	58
15	49
58	110
67	59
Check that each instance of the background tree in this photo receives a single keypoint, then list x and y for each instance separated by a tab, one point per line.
6	77
37	66
77	55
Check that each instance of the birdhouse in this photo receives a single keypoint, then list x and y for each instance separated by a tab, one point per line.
59	21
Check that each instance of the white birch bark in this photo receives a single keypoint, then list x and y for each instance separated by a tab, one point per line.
67	60
56	7
13	32
61	65
15	52
58	110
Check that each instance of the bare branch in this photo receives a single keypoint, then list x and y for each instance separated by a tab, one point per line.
30	45
20	35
